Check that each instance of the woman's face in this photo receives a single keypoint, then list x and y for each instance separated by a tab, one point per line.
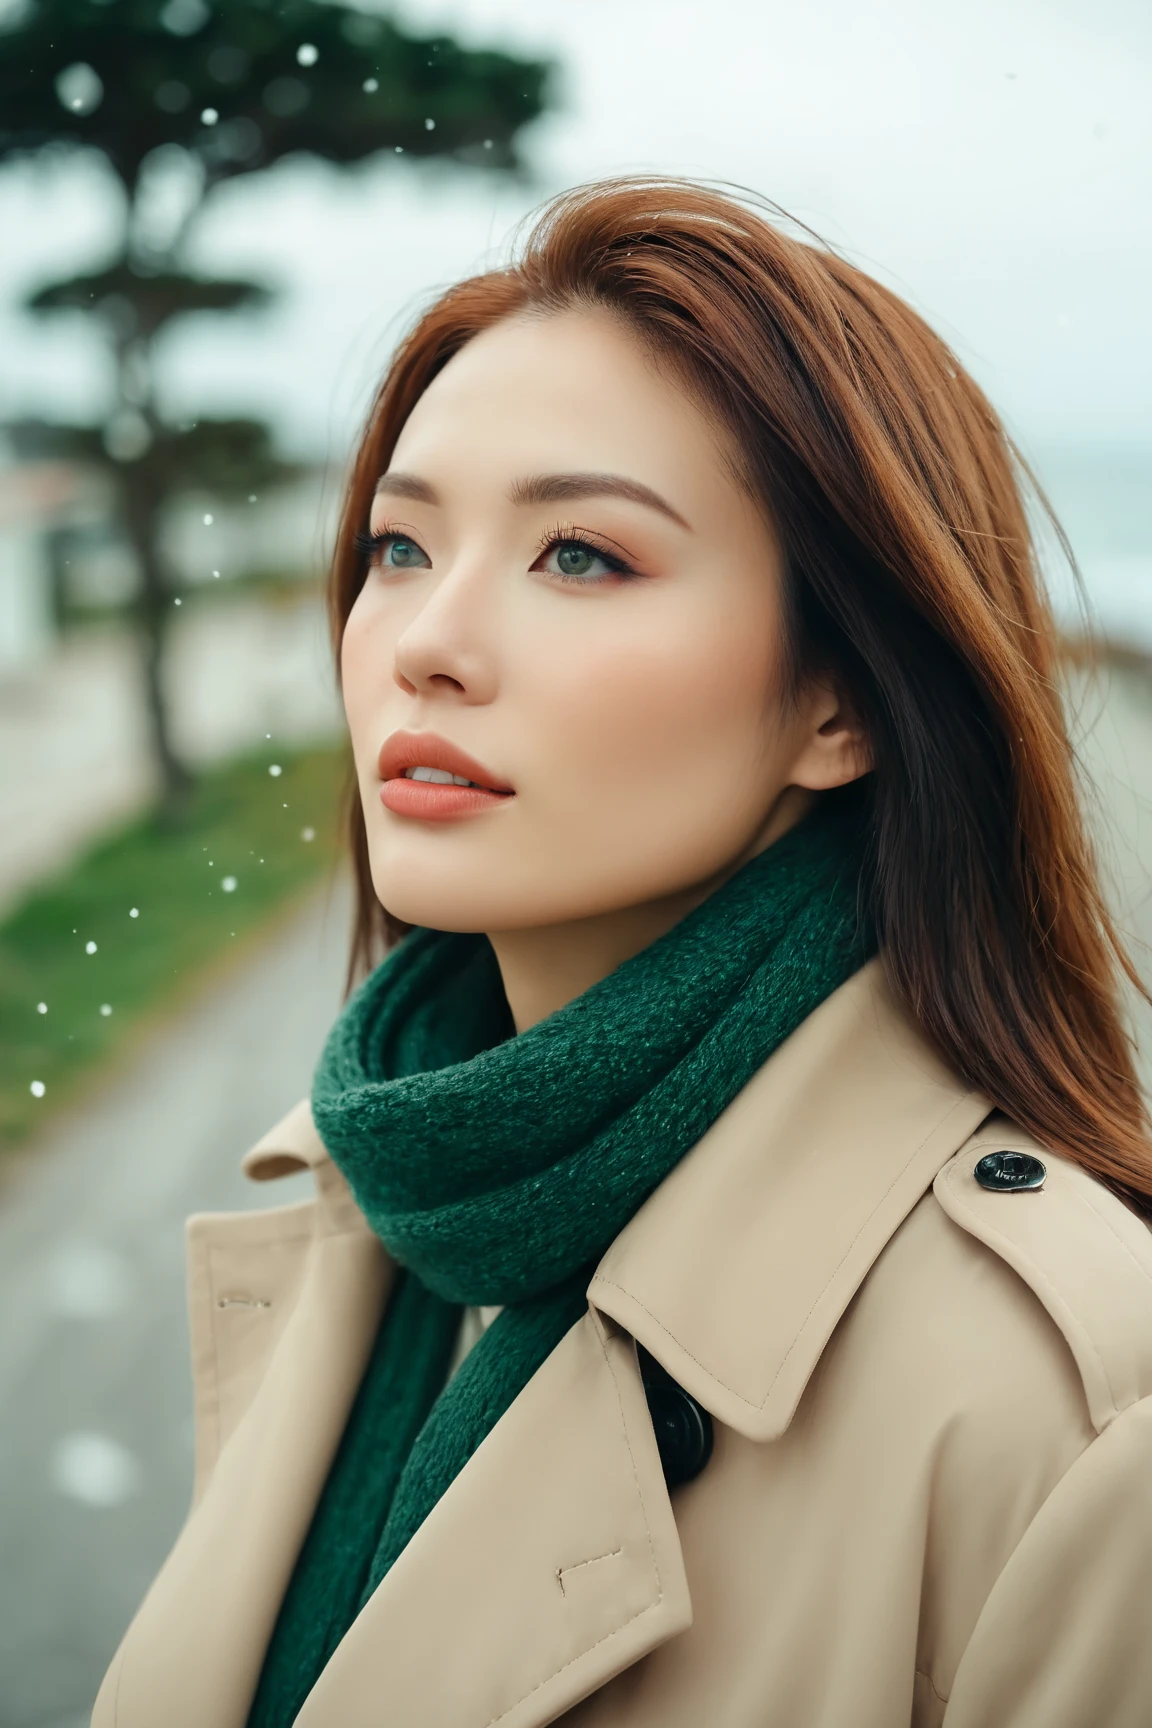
570	588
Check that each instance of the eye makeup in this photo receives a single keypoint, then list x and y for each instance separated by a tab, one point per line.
559	538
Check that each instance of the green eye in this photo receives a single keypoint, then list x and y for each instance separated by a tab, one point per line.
385	551
576	560
402	554
572	559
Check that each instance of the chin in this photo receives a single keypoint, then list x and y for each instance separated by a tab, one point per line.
465	902
417	899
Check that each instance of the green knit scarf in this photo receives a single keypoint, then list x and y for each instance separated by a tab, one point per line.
498	1168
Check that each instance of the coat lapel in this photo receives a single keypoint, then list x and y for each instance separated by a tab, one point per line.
192	1656
736	1271
551	1564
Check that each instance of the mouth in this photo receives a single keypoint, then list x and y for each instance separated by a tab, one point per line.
426	776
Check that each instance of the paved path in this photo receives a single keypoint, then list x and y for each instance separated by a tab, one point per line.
95	1440
95	1446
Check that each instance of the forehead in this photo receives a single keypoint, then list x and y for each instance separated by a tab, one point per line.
566	391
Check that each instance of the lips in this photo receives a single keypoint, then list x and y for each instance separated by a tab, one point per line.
428	750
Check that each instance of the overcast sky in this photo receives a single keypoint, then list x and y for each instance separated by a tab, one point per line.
992	160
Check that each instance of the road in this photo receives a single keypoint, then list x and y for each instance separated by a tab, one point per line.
95	1444
95	1438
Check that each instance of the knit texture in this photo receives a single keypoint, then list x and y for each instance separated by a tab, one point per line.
497	1169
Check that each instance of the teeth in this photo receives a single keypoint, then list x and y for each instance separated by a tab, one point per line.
438	776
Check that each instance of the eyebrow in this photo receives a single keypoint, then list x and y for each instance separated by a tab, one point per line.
398	485
544	489
560	488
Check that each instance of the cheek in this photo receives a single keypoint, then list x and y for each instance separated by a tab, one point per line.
684	700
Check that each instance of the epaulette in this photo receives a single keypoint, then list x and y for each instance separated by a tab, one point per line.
1079	1249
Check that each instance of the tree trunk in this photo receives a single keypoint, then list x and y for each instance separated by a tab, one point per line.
142	493
141	504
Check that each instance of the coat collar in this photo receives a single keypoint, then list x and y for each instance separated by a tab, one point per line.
735	1272
737	1269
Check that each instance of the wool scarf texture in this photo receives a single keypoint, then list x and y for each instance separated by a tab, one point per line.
498	1167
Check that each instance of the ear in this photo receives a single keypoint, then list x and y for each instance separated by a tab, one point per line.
833	746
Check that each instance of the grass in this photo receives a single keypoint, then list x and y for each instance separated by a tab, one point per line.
141	914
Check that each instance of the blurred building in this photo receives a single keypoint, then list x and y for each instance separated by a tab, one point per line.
42	503
247	655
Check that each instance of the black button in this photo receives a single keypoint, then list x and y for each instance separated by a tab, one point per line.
682	1427
1007	1171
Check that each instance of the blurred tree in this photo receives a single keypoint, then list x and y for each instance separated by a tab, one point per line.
203	93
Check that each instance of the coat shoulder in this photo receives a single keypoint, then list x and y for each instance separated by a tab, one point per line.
1082	1253
1061	1638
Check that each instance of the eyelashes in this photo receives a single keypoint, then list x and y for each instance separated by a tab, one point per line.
567	534
371	546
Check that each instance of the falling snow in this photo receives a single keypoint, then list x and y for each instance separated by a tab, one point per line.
307	833
134	912
208	520
37	1088
229	884
79	88
275	770
94	1469
41	1007
89	947
105	1009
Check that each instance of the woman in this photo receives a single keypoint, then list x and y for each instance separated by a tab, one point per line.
727	1298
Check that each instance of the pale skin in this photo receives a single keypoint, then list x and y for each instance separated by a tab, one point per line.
641	718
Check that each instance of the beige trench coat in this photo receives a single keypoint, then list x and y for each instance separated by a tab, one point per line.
930	1500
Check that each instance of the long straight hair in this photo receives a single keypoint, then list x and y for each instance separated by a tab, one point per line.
910	572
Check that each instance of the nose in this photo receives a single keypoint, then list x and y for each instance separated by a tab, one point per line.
447	649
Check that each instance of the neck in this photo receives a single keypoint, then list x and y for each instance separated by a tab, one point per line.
546	967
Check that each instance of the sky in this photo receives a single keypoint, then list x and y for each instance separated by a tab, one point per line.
992	162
